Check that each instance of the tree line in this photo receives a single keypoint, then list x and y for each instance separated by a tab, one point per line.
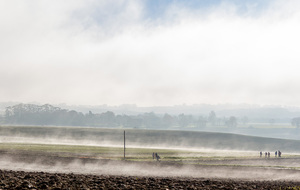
31	114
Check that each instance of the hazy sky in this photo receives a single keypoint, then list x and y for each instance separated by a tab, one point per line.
150	52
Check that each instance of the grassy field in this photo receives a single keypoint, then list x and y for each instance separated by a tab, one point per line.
151	140
183	153
137	154
133	154
141	154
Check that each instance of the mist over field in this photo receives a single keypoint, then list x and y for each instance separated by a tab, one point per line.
162	139
184	154
148	170
149	94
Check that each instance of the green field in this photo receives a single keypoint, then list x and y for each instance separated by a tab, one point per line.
160	139
174	156
183	153
111	141
142	154
174	147
136	154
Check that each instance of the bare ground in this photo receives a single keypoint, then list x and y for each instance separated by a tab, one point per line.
42	180
34	170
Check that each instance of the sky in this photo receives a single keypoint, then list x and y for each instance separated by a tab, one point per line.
150	52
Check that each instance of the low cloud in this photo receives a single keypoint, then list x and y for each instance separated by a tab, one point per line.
96	52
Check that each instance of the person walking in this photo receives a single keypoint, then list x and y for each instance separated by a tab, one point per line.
157	157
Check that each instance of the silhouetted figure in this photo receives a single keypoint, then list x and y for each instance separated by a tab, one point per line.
276	154
279	153
260	154
153	155
268	154
157	156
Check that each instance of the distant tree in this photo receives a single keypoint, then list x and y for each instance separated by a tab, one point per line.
245	120
90	119
167	120
201	121
212	118
1	119
30	114
129	121
75	118
183	120
107	119
232	122
123	120
151	120
296	122
135	122
219	121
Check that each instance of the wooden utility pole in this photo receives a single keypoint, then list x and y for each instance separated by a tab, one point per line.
124	145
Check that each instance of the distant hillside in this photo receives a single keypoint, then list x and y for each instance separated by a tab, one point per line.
145	138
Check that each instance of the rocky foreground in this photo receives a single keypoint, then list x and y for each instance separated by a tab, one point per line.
42	180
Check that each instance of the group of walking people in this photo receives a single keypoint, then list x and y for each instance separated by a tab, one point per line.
267	154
